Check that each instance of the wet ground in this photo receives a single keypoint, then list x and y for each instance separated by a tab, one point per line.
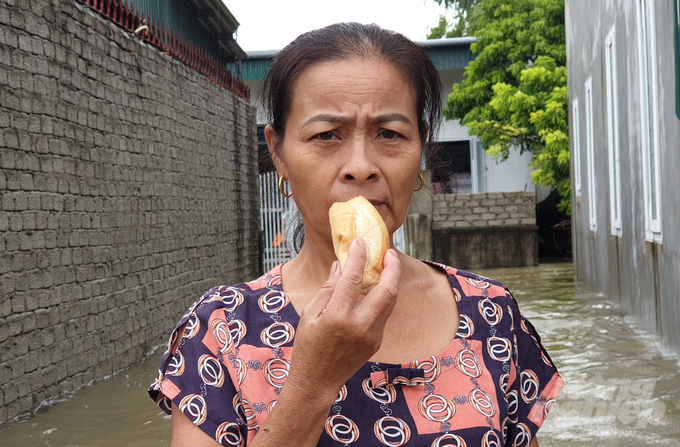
621	389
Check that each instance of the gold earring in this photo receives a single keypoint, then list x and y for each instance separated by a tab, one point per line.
422	183
281	188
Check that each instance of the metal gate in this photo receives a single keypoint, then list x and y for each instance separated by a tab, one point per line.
275	216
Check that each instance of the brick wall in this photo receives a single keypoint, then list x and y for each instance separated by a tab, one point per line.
128	187
483	210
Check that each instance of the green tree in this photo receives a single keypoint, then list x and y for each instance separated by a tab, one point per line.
465	12
515	91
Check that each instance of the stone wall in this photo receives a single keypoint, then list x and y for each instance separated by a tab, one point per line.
487	209
128	186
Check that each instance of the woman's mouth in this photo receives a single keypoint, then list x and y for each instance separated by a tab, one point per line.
378	204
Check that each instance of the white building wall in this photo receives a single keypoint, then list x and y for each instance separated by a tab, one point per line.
510	175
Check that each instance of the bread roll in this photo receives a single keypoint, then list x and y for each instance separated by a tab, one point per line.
357	218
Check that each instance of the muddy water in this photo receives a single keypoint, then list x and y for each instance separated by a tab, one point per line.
114	412
621	389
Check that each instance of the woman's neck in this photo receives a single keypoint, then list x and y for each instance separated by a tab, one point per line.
309	270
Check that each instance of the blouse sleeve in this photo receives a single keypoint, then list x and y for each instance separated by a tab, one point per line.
194	376
536	383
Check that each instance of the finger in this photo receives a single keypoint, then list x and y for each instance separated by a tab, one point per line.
320	301
381	299
347	292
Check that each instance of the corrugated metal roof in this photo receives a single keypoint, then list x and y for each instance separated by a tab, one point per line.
451	57
446	54
207	23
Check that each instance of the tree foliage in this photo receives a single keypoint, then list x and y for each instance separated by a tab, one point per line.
515	91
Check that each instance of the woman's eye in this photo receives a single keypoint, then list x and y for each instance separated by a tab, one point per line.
389	134
325	136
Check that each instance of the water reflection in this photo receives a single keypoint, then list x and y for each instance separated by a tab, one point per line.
621	389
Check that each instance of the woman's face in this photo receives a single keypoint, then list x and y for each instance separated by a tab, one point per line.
352	130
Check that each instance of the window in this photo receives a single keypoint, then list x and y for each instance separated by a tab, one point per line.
613	133
453	171
590	161
576	147
676	5
650	123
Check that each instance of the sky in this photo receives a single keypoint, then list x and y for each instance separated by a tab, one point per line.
272	24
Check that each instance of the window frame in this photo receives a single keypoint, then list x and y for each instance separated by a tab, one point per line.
614	150
649	119
590	158
576	146
676	36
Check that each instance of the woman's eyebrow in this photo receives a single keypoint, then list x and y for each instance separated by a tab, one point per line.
389	117
380	119
327	118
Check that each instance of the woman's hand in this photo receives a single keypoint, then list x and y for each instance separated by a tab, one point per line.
339	331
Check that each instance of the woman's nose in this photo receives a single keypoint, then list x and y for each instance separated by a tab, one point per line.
359	166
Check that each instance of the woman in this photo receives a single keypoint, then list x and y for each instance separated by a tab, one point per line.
430	356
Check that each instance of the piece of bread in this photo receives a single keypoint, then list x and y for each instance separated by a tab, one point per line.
357	218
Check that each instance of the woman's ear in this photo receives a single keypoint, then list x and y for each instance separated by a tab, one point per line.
274	143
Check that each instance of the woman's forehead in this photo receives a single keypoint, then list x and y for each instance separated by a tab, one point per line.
352	86
355	70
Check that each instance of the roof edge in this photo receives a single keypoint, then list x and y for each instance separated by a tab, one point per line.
262	54
431	43
447	42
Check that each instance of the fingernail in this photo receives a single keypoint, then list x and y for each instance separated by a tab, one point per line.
361	243
334	268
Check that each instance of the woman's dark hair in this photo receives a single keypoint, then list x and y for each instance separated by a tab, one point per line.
343	41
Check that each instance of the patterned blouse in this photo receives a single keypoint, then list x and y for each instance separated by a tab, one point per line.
492	386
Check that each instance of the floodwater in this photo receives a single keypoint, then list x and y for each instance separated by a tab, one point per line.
621	389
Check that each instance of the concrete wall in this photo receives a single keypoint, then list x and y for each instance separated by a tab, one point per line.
486	247
128	187
492	209
641	275
485	229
